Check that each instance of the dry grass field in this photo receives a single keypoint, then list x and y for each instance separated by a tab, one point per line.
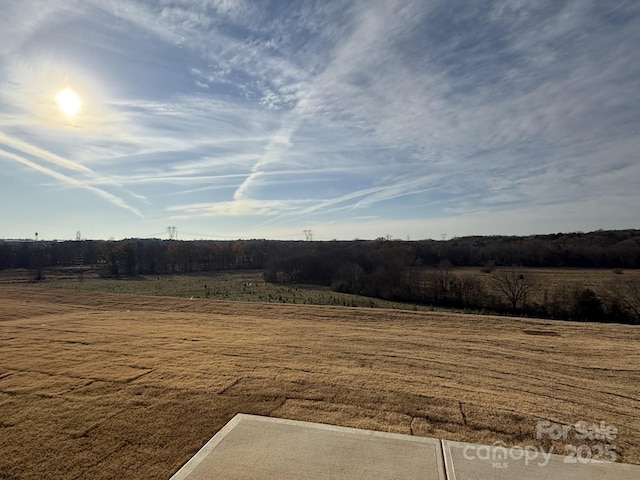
102	385
229	285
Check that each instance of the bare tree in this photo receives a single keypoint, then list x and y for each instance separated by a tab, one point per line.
514	285
440	281
560	298
627	293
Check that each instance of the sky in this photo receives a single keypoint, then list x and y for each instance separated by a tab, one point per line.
352	119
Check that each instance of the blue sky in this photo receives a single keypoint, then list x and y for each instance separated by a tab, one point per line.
354	119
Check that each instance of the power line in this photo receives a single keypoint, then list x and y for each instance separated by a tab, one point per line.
154	235
173	235
234	237
190	234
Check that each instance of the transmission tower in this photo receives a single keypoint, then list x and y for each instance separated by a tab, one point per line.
173	233
78	236
308	235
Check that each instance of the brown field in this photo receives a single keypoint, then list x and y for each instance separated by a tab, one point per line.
228	285
595	278
98	385
545	280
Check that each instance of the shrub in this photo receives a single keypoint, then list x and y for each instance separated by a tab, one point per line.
587	306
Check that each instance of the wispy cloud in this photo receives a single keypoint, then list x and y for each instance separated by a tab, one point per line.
235	207
41	153
113	199
329	112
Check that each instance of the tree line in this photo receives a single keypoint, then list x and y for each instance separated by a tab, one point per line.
417	271
134	256
422	273
600	249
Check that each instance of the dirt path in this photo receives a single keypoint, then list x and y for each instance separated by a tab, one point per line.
121	386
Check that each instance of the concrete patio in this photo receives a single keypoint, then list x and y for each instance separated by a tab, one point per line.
254	447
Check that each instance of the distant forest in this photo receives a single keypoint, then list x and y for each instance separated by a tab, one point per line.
390	269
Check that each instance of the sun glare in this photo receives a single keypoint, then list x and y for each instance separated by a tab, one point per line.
69	102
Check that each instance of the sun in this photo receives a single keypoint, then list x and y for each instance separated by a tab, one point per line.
68	101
